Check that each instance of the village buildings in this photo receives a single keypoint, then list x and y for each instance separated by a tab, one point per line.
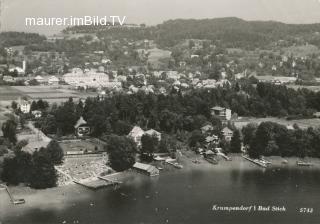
223	113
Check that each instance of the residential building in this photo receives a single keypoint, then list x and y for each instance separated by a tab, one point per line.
37	113
212	139
155	133
207	128
53	80
81	128
136	134
223	113
24	106
39	79
227	133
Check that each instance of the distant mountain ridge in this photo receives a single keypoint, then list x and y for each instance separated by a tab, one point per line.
231	30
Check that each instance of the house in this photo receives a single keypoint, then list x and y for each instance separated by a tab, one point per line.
223	113
53	80
209	154
212	139
136	134
155	133
37	113
227	133
316	114
8	78
39	79
81	128
146	169
25	106
207	128
19	70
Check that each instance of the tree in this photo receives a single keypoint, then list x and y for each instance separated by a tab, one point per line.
66	117
248	133
9	129
42	105
122	127
122	151
17	169
55	152
261	140
99	125
149	144
43	172
14	105
235	144
49	125
167	144
196	138
34	106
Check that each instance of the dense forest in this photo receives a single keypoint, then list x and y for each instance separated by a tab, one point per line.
178	112
232	32
8	39
270	139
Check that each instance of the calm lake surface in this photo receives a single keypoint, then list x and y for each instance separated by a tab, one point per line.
183	196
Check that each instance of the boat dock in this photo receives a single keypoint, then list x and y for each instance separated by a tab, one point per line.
176	165
14	201
301	163
255	161
98	183
227	158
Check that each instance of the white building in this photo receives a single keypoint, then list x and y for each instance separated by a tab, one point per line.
221	112
21	71
24	106
53	80
136	134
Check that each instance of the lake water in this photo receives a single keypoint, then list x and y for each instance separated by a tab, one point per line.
184	196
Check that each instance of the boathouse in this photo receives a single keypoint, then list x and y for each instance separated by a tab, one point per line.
146	169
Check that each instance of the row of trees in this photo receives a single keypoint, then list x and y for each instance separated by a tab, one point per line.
36	170
270	138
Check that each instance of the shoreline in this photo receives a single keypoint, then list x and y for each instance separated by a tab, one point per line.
70	194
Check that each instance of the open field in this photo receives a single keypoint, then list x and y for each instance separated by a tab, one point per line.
9	93
303	123
51	94
89	145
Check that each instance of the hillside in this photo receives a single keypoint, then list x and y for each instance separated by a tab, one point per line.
233	32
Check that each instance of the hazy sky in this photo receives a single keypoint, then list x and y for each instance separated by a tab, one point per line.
156	11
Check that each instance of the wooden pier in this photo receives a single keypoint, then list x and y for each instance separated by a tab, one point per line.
98	183
14	201
255	161
176	165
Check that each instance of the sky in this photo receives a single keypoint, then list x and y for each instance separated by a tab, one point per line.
154	12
